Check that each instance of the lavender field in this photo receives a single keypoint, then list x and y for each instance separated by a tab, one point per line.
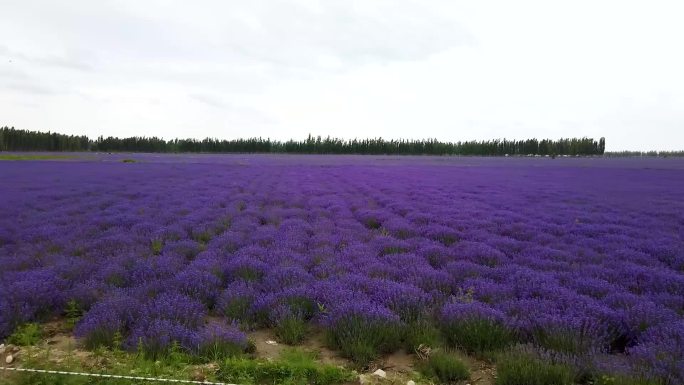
578	261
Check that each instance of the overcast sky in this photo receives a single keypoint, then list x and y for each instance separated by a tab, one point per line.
449	70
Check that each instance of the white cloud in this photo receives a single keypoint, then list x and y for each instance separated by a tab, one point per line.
283	69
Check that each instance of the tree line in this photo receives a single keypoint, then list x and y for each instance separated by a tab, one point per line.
12	139
23	140
663	154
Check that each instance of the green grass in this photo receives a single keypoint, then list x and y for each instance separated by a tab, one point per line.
129	161
26	335
517	368
621	380
294	367
34	157
444	368
218	351
172	366
297	355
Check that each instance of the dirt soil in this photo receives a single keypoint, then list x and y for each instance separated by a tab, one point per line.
399	366
60	347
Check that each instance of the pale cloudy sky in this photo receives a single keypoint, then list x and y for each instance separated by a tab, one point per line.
451	70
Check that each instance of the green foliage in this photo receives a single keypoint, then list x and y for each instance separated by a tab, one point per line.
239	309
663	154
117	341
362	353
291	330
155	351
175	355
223	223
293	367
563	341
444	367
26	335
372	223
12	139
215	351
514	368
477	335
304	306
218	351
129	161
101	337
621	380
447	240
33	157
175	365
248	274
116	279
363	340
297	355
156	245
388	250
73	313
52	379
417	333
202	237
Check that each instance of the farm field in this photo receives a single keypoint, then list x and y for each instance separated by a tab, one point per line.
574	266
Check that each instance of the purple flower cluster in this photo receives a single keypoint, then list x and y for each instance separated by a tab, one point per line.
661	352
155	336
571	255
109	319
219	340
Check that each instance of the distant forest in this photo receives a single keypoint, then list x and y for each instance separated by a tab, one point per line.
12	139
643	153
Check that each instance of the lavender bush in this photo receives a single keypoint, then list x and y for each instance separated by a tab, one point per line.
218	340
475	327
362	331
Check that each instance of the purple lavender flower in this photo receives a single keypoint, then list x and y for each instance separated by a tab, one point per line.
236	301
199	284
245	268
661	353
156	336
178	308
475	326
360	245
217	340
363	330
113	315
